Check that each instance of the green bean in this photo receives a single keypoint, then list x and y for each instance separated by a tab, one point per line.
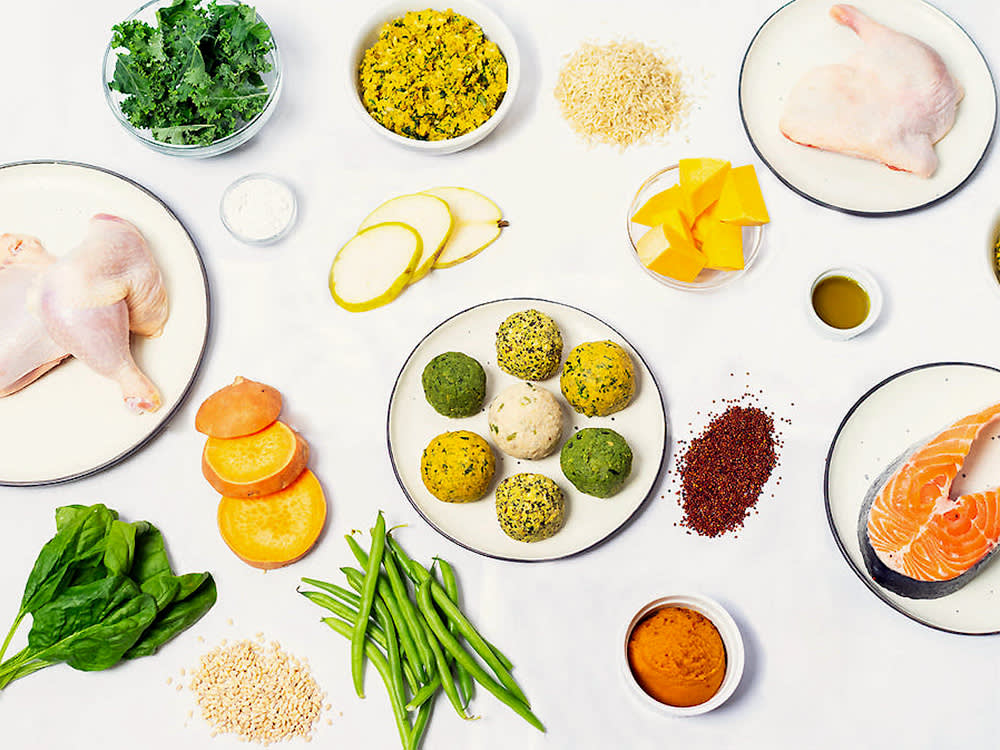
444	672
453	613
416	573
409	611
367	597
451	588
375	630
403	616
419	725
392	650
423	694
378	659
349	597
455	649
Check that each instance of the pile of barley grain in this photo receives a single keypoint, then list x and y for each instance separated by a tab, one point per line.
261	694
621	93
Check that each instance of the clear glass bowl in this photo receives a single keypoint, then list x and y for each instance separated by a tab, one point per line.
272	79
709	278
279	233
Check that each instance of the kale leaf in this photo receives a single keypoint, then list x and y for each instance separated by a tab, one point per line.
196	76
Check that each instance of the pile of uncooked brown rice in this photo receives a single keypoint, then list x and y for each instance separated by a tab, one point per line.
261	694
621	93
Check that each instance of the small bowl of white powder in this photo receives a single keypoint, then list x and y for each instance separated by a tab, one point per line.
258	209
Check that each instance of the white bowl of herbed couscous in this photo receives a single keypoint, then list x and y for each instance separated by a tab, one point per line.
438	141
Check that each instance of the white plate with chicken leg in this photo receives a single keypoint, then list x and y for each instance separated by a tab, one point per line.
103	319
876	108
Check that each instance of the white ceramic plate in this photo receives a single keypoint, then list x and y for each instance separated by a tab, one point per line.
412	423
800	36
903	410
72	422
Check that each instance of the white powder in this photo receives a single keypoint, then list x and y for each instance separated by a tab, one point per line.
258	207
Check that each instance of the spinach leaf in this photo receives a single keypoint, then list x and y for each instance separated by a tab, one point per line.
90	627
119	546
79	543
177	617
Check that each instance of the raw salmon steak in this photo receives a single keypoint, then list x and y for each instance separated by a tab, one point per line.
916	539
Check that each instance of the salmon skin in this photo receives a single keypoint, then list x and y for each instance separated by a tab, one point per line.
916	539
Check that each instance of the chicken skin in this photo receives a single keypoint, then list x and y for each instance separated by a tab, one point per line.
891	102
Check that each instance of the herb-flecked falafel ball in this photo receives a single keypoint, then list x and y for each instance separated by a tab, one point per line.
529	345
597	461
598	378
457	467
530	507
454	384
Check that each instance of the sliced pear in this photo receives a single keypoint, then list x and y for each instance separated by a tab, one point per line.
477	223
374	266
427	214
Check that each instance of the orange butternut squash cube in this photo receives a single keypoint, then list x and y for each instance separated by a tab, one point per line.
668	249
699	230
701	181
741	201
723	246
653	211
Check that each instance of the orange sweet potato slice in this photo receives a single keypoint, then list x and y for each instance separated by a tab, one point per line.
239	409
255	465
274	530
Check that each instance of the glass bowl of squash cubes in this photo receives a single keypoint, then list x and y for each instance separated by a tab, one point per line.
698	224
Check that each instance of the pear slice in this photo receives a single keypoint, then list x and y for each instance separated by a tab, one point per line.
374	266
477	223
427	214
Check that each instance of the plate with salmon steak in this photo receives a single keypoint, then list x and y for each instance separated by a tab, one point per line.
874	108
104	315
913	494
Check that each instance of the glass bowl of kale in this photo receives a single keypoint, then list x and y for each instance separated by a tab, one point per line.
192	78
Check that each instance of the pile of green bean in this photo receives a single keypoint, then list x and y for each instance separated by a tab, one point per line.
413	636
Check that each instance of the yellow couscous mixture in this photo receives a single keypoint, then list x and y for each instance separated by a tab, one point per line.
432	75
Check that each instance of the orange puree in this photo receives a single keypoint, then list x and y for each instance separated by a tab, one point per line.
677	656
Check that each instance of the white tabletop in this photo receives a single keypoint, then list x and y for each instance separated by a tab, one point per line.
828	664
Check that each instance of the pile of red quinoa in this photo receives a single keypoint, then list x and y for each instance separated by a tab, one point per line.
722	472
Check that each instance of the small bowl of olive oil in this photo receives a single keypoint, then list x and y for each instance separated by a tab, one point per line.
845	302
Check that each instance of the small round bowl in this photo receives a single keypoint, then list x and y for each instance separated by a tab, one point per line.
271	238
709	278
993	247
731	639
272	80
871	287
494	28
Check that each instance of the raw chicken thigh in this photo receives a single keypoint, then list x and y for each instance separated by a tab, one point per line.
83	304
891	102
26	350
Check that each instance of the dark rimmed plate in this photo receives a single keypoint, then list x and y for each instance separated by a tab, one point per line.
904	409
72	423
411	424
800	36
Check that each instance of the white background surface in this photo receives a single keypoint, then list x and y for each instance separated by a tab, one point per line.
828	664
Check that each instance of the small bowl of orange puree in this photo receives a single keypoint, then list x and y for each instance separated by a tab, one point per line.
683	654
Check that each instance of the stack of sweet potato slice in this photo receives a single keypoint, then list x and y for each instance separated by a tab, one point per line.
272	508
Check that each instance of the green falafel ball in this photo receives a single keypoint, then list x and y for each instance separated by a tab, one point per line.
530	507
597	461
454	384
529	345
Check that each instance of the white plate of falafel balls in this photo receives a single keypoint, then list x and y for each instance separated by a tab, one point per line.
525	429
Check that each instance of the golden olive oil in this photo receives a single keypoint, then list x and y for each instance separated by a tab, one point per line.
841	302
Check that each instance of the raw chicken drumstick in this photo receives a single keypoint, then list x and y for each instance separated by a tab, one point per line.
26	350
90	300
891	102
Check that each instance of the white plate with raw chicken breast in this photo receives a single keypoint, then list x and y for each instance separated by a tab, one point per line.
103	319
877	108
